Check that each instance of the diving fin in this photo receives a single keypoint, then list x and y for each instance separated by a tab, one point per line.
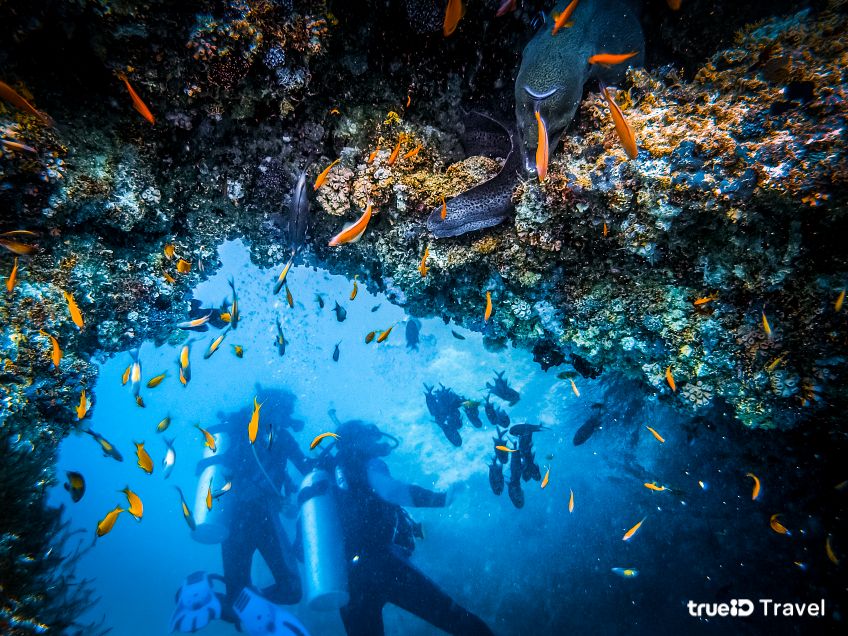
197	603
259	616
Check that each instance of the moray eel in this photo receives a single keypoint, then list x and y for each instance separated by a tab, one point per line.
554	69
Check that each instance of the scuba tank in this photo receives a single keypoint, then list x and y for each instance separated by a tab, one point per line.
212	526
325	570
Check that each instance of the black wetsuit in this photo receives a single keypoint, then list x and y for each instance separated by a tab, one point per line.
379	570
255	517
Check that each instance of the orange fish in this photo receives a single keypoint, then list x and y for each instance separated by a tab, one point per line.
84	405
444	209
352	232
323	176
355	289
382	337
183	266
545	479
608	59
839	300
373	155
253	425
144	460
488	313
670	378
629	534
541	148
571	501
574	388
656	435
653	486
507	6
209	496
674	5
412	152
209	441
369	337
105	525
422	266
76	315
766	326
168	250
319	438
828	546
625	132
15	247
453	14
168	278
9	94
561	19
408	99
606	229
14	145
756	492
705	299
393	157
778	527
505	449
139	105
56	356
13	277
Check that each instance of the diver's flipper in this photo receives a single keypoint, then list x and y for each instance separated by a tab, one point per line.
259	616
197	603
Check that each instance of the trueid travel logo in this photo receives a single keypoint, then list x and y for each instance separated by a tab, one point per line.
743	607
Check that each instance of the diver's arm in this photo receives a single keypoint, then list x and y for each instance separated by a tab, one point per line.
296	456
390	489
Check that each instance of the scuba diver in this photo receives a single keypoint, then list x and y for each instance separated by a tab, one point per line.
243	482
375	538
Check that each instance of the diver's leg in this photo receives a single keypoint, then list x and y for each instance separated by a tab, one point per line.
279	555
236	555
411	590
363	615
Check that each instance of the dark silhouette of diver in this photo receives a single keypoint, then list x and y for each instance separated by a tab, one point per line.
379	538
258	474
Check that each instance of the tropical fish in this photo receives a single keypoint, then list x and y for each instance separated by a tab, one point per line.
73	308
393	157
280	339
444	212
625	573
253	425
17	146
413	329
778	527
238	350
136	507
839	301
125	377
625	132
323	176
209	440
108	449
828	546
545	479
197	322
670	378
169	251
382	337
162	426
656	435
369	337
756	491
771	366
234	308
507	6
170	457
185	367
412	152
496	477
422	266
629	534
155	381
10	95
654	486
139	105
56	354
144	460
105	525
84	405
608	59
605	230
75	485
571	500
183	266
289	297
336	352
209	495
319	438
135	373
352	232
488	312
561	20
457	335
355	289
186	510
505	449
341	312
373	155
168	278
281	279
705	299
22	249
222	490
766	326
501	388
13	277
541	148
574	388
216	343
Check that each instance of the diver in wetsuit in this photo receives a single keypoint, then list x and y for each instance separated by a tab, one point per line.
378	540
257	474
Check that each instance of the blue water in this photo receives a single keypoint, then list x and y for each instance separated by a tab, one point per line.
536	570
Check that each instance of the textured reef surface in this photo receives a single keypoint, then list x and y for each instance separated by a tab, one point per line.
706	271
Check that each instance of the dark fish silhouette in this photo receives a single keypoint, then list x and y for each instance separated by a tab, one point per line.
320	299
413	328
108	448
280	340
516	494
502	389
470	407
458	336
502	456
375	307
341	312
582	435
496	477
336	352
75	485
452	434
298	224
